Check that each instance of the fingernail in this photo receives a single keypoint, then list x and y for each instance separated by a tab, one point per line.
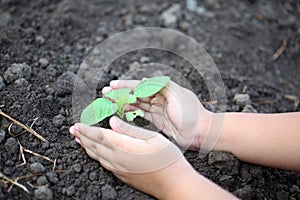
105	89
71	130
76	128
114	82
116	121
77	140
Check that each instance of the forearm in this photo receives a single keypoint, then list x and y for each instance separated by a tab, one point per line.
188	184
267	139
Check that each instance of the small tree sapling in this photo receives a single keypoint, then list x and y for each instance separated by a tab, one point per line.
116	101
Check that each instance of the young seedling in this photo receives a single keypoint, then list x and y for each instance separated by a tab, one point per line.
116	101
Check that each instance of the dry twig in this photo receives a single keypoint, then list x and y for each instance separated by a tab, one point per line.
293	98
280	50
13	182
22	149
205	103
23	126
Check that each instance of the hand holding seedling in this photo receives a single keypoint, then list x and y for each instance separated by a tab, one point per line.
266	139
142	158
174	110
119	99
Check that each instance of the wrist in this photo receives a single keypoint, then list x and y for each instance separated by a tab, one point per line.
224	140
214	134
204	124
179	176
186	183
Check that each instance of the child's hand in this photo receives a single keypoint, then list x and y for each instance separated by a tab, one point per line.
141	158
174	110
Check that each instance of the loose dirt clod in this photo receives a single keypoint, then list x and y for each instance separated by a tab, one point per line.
43	193
16	71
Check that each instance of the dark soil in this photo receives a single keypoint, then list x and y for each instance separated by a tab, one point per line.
53	37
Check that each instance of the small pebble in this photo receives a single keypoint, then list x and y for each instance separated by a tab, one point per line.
144	59
249	109
11	145
42	180
52	177
184	26
108	192
134	65
169	16
45	145
39	40
242	99
69	190
295	189
43	193
37	168
93	176
17	71
245	193
21	83
77	168
58	120
43	62
191	5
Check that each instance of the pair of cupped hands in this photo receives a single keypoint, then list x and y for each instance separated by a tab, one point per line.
145	159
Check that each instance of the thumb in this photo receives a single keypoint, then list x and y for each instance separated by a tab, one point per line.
122	127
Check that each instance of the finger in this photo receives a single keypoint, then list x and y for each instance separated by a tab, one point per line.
97	148
109	138
170	90
122	127
116	84
144	106
96	134
106	89
104	162
92	154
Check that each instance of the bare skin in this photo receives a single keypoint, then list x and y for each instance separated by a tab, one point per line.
266	139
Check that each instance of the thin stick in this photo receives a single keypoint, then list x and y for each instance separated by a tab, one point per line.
35	186
280	50
205	103
22	149
13	182
39	155
22	155
34	120
23	126
30	175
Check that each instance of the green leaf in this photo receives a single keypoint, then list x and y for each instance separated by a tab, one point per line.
97	111
121	97
118	94
130	116
150	86
131	99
